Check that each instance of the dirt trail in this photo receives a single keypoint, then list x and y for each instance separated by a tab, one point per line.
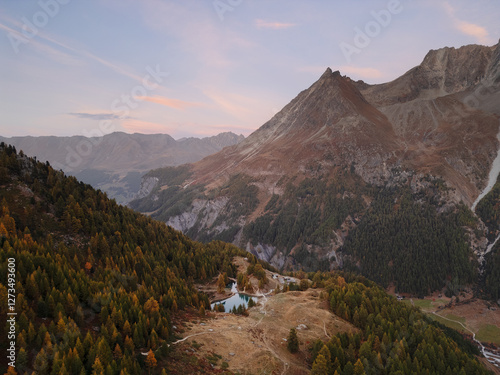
257	342
263	310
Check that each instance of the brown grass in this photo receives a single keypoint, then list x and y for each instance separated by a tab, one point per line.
257	340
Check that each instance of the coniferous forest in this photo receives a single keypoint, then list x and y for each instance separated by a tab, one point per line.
96	283
393	338
99	286
407	242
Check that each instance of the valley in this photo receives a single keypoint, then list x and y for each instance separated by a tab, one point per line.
348	198
250	187
116	162
379	179
478	319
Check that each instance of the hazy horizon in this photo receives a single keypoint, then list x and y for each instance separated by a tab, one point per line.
202	68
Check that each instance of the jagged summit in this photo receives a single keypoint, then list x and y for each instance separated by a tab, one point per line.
442	72
326	74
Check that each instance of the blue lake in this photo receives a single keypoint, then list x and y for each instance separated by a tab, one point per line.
235	300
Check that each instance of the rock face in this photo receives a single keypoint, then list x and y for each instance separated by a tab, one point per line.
115	162
207	210
436	125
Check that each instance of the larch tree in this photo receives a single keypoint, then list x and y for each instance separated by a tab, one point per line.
151	362
320	366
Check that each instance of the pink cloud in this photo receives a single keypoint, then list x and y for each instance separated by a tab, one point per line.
261	24
169	102
467	28
478	32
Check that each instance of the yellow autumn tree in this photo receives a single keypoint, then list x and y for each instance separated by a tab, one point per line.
221	284
151	362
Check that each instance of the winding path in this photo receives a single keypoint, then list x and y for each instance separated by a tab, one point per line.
188	337
491	357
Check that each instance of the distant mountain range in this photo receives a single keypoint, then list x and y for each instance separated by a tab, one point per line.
375	178
115	162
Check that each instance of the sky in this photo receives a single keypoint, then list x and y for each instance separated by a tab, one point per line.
198	68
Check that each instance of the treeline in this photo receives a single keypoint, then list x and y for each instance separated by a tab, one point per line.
392	337
307	214
404	240
96	283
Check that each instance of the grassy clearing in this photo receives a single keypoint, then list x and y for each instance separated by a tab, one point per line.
455	325
423	303
489	333
460	319
426	304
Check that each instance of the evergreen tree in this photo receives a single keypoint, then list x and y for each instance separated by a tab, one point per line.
293	341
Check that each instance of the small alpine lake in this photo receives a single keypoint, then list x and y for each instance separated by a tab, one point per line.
235	300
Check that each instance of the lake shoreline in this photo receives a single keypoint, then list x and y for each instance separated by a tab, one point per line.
244	298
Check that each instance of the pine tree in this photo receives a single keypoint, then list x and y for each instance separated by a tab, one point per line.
97	368
117	353
22	359
293	341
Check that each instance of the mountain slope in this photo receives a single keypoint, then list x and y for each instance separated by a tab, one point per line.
115	162
100	289
296	189
96	284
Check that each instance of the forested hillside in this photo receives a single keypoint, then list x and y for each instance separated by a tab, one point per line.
96	283
394	338
402	239
98	287
388	233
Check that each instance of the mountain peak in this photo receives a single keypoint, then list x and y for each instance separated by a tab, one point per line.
328	74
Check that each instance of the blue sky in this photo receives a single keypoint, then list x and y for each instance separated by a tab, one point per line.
197	68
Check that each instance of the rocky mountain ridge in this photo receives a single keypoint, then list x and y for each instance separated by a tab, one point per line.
432	130
115	162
